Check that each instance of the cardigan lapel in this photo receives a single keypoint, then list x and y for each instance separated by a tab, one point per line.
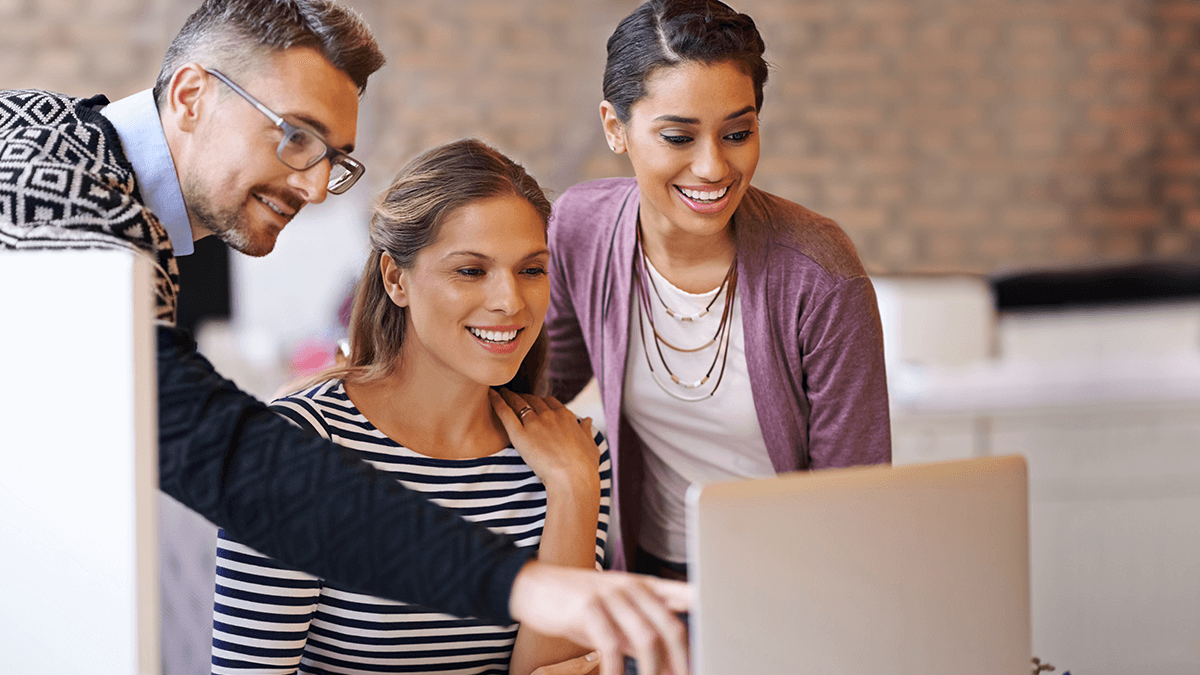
614	340
767	324
615	324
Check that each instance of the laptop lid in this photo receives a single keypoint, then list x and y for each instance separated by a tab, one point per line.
912	570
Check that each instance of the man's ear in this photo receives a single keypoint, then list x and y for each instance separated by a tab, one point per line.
393	280
186	101
614	128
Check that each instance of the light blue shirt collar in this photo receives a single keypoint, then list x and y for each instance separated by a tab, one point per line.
140	129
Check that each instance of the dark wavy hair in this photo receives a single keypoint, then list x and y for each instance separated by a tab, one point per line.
406	220
234	36
664	33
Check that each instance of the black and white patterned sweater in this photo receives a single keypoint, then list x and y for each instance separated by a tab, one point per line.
65	183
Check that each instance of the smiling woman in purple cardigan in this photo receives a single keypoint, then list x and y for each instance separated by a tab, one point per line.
734	334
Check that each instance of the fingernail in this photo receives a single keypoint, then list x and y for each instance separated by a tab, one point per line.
592	656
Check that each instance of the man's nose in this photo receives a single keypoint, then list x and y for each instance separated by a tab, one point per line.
313	182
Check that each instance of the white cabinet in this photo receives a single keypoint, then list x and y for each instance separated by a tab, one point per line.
78	471
1105	406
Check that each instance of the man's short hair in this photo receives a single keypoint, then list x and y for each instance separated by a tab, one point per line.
236	35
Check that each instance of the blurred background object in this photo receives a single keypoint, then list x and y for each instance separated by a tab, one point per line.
992	161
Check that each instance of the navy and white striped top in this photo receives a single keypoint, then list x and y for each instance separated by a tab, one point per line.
270	619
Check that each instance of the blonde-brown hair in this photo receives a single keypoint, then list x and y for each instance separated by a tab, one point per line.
406	220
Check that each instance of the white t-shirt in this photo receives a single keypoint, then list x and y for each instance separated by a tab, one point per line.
713	439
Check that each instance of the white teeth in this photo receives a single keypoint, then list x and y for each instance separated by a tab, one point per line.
704	196
494	335
271	205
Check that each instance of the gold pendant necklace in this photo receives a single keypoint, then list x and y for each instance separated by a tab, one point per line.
670	312
641	280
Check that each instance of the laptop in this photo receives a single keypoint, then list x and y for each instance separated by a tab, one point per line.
912	570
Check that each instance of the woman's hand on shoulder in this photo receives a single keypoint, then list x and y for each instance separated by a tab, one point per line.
558	446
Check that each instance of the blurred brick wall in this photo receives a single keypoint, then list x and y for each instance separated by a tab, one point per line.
943	135
977	135
523	75
85	47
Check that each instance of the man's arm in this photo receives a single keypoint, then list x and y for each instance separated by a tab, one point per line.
315	505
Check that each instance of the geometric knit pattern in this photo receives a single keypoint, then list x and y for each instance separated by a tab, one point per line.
268	618
316	505
65	183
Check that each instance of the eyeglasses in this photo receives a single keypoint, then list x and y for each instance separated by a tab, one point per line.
301	149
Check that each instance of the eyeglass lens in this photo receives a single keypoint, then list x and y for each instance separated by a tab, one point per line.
301	150
339	172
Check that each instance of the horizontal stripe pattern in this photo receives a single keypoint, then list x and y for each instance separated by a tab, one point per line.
271	620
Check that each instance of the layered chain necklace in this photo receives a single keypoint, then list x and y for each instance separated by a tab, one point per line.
644	284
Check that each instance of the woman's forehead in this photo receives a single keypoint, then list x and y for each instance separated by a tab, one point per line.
687	88
501	227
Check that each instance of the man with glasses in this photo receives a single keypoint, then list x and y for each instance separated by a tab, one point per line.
300	148
252	117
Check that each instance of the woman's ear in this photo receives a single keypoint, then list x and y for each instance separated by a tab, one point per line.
614	128
393	280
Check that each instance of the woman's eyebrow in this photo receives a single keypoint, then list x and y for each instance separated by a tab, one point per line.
467	254
743	111
692	120
481	256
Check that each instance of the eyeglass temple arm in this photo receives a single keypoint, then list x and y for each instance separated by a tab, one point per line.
331	153
276	119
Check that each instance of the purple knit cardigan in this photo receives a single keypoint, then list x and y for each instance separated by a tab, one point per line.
814	344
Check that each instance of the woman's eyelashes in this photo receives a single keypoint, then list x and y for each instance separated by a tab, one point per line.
682	139
478	272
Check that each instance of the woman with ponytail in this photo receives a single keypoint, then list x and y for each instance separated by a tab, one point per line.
734	333
441	388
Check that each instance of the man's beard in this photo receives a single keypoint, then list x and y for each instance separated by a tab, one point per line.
232	225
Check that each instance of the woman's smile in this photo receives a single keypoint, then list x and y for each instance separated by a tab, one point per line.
701	200
497	339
